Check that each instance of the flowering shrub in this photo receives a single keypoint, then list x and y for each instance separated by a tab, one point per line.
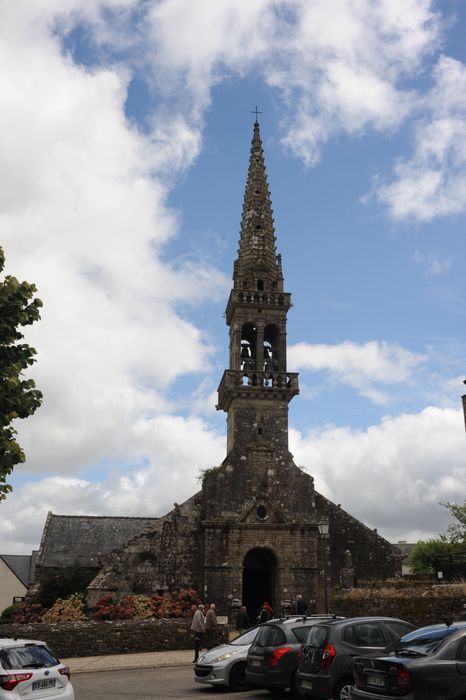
173	604
67	610
29	612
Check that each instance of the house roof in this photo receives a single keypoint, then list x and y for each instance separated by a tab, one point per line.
22	565
83	539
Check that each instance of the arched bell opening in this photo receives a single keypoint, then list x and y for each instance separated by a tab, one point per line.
259	576
271	339
248	346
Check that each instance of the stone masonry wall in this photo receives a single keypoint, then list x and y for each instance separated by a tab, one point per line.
99	638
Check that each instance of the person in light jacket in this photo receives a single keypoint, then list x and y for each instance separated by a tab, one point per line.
198	630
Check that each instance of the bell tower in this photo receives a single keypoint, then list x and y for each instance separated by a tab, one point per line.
256	388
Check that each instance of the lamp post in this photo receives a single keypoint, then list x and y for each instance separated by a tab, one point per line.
324	530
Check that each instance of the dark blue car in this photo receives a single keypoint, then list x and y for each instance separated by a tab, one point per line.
427	664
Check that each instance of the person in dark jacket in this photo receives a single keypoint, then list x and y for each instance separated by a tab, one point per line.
211	626
242	620
265	613
300	605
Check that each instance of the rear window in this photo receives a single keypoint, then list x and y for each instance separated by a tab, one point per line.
28	656
270	636
317	637
300	633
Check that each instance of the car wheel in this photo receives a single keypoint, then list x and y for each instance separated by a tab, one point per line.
238	680
342	690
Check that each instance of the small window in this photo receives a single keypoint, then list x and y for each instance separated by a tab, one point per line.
260	285
270	636
397	629
462	652
366	634
261	512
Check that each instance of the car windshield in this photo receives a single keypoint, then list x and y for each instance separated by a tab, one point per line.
246	638
27	656
426	639
270	636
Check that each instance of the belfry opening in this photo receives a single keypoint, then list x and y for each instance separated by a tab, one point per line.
259	573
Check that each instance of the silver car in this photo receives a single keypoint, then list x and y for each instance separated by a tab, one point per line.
225	664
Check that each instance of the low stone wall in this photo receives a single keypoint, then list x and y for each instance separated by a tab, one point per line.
421	607
99	638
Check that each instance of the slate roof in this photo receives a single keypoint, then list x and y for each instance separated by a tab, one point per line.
22	565
83	539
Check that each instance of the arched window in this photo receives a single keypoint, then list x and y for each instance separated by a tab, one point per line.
248	346
271	335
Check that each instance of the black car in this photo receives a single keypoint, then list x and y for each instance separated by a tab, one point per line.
325	665
273	656
428	664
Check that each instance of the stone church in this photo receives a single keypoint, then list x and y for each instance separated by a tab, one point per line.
252	532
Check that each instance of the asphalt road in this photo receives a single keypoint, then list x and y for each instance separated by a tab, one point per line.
162	683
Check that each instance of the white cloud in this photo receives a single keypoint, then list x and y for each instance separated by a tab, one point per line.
170	452
432	263
432	182
393	475
358	365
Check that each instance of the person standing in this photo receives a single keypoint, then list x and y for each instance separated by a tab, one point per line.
198	630
300	605
265	613
211	626
242	620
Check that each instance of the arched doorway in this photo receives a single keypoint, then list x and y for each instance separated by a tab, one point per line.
259	568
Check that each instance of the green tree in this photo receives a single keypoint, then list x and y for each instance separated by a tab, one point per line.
61	583
423	554
18	397
457	531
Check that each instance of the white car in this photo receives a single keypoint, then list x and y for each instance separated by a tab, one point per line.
28	669
225	664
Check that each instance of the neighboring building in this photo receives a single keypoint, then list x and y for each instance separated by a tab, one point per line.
405	549
252	532
68	540
16	575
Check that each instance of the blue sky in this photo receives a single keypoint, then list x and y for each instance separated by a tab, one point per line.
122	183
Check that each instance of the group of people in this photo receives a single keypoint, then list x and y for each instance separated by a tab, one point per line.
204	624
203	628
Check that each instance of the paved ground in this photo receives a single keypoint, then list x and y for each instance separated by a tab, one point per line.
121	662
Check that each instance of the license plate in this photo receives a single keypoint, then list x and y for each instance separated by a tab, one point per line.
255	663
306	684
46	683
378	681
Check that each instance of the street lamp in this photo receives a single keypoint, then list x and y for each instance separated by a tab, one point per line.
324	528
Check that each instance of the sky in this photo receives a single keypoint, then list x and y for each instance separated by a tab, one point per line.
126	129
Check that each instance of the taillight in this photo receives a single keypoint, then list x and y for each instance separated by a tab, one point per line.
277	655
404	680
65	671
10	681
328	656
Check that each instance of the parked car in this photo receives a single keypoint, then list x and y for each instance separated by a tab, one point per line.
28	669
428	664
325	665
273	656
225	664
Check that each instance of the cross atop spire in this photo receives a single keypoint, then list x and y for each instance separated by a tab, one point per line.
256	112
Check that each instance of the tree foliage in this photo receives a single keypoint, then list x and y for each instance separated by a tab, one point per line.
63	582
18	396
457	531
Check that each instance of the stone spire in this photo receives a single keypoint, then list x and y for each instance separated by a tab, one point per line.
257	255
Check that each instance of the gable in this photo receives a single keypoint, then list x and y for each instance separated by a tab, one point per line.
261	510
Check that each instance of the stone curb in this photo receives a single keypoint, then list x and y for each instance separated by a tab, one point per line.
127	662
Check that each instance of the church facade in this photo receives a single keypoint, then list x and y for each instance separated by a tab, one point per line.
252	532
